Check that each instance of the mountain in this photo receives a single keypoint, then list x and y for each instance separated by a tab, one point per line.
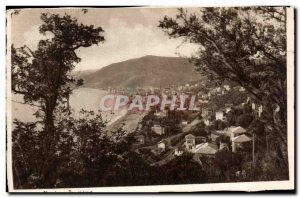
154	71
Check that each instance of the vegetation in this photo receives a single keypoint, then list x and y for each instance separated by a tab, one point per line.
247	46
59	150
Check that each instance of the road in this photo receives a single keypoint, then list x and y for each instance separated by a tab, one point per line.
129	122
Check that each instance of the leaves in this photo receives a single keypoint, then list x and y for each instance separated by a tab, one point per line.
245	45
43	77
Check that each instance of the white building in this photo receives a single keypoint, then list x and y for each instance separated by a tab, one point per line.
242	89
190	142
178	152
206	148
231	131
184	123
235	131
206	122
227	87
227	109
238	141
253	106
219	115
161	145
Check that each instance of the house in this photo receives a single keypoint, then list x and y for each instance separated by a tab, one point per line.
231	131
207	122
238	141
219	115
161	145
190	141
184	123
158	129
228	107
227	87
253	106
242	89
206	148
178	152
235	131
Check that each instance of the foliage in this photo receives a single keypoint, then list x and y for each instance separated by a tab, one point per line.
244	120
43	77
182	170
83	149
233	97
247	46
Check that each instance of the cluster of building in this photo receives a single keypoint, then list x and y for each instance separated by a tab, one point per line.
210	146
219	90
236	137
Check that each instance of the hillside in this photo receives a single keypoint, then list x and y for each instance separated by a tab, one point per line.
146	71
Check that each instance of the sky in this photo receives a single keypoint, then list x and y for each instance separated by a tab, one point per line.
129	33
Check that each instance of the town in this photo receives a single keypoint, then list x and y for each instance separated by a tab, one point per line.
224	122
159	97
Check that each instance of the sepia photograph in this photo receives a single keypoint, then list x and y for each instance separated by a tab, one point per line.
150	99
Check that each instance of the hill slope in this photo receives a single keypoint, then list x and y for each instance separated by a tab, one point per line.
146	71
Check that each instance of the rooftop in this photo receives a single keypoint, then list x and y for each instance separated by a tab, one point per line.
241	139
189	136
206	148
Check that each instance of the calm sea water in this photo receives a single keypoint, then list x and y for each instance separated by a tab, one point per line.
82	98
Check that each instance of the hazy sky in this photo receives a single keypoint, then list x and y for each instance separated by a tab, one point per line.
129	33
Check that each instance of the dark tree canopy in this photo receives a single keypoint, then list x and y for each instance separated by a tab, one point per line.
43	77
244	45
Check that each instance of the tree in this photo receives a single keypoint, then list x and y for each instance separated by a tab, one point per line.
182	170
219	125
43	77
244	120
225	159
93	154
244	45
